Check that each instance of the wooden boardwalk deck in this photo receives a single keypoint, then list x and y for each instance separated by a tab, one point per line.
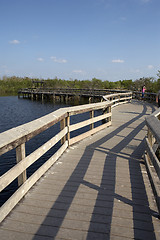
98	189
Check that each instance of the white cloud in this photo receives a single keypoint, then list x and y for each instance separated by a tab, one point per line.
40	59
150	66
14	42
77	71
117	61
58	60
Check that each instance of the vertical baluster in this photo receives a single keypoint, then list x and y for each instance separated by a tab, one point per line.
68	124
21	154
91	116
151	142
62	126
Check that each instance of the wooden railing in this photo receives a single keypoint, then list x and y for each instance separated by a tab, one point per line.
16	138
152	161
118	98
70	91
150	97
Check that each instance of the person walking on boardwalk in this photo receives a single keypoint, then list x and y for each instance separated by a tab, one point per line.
158	98
143	91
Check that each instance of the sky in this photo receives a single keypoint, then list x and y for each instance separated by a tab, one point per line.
80	39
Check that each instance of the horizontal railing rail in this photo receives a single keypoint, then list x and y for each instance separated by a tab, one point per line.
70	91
16	138
118	98
152	160
150	97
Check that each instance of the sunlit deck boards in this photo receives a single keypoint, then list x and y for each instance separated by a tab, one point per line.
98	189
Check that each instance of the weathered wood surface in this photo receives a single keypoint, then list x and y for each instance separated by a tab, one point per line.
14	172
98	189
69	91
24	133
151	160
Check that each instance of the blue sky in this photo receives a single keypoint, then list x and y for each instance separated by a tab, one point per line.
80	39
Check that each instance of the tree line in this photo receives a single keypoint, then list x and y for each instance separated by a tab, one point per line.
11	85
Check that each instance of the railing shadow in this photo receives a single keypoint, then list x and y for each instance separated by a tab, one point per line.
101	220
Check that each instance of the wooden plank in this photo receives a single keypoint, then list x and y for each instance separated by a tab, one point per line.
14	172
76	126
89	133
19	194
153	157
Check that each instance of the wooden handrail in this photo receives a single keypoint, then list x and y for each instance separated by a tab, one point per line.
70	91
151	160
18	136
151	97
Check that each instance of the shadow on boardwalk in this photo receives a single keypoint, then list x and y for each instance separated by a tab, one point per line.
101	220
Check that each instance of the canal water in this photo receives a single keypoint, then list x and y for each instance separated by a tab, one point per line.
14	112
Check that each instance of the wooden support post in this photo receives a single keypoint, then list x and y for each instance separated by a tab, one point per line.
54	98
62	126
32	96
107	110
66	99
150	137
151	142
91	116
68	123
21	154
42	97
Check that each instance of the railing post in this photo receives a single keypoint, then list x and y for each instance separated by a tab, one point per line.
68	123
151	140
21	154
119	98
150	137
62	126
91	116
109	110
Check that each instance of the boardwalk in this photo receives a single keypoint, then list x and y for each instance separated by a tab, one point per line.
98	189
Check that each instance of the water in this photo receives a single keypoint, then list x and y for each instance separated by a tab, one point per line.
14	112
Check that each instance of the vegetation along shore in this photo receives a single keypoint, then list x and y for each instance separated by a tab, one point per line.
11	85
